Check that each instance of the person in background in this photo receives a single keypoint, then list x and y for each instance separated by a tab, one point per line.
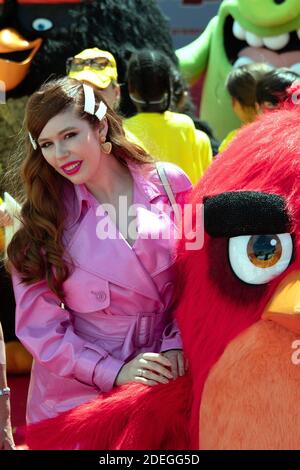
99	69
182	103
168	136
241	85
93	281
271	89
6	437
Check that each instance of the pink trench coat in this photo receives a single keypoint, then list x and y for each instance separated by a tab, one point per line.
118	300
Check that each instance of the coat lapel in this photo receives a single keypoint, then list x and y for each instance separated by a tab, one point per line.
99	248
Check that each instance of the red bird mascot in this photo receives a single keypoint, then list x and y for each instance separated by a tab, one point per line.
239	312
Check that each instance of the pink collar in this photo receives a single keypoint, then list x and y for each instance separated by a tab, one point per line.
144	176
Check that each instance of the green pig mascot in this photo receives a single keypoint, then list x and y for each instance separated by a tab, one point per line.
244	31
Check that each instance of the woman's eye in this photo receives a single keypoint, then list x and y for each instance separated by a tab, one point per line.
70	135
257	259
45	145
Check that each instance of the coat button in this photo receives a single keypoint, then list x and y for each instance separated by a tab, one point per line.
100	295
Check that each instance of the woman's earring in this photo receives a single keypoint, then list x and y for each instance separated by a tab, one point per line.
106	147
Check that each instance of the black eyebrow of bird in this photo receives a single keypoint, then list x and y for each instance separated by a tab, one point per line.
236	213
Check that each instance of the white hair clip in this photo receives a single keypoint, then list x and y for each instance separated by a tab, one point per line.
100	113
33	142
90	103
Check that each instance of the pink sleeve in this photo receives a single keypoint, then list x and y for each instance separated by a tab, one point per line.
171	337
179	181
46	331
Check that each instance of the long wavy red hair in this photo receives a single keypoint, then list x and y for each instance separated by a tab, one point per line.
36	250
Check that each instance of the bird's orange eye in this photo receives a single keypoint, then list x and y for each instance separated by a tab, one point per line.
264	250
257	259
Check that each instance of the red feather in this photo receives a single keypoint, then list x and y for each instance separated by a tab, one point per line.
131	417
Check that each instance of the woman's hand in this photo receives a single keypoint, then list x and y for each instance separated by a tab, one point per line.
176	358
6	437
146	368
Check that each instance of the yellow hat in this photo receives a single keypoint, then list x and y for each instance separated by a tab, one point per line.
94	66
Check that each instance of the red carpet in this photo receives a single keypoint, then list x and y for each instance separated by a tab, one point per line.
19	388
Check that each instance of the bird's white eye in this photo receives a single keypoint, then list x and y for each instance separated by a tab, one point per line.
42	24
257	259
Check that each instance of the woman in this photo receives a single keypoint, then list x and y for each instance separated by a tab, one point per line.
93	281
6	437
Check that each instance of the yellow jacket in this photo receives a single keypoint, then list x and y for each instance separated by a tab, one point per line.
172	137
225	143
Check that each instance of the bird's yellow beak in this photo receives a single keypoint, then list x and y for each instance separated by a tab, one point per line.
284	307
12	72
